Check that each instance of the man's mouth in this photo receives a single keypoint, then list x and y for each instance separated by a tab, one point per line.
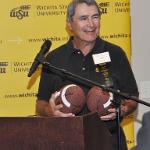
89	30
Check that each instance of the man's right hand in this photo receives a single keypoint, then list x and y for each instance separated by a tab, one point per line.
44	108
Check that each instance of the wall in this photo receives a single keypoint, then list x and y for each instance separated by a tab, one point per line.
140	24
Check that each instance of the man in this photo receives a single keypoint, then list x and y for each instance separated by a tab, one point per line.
143	136
83	20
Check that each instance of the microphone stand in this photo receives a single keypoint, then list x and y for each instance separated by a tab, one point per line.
90	83
118	114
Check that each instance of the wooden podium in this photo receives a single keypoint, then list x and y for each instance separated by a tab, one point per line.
54	133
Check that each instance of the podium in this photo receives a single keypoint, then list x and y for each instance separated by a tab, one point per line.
54	133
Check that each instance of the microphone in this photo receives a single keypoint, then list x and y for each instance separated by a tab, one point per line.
40	56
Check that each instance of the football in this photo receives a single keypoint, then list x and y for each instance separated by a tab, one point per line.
99	100
72	97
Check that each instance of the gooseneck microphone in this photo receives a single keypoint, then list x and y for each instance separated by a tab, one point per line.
40	56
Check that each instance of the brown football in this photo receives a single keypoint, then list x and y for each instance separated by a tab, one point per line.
72	97
99	100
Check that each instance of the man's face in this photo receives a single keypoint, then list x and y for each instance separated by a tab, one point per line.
86	23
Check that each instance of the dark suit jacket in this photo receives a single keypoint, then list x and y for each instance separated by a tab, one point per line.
143	136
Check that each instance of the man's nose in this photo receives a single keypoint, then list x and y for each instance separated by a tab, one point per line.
90	22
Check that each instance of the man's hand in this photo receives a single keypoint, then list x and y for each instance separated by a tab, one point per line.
127	107
55	109
44	108
110	116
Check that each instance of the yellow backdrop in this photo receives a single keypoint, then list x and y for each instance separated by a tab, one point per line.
23	27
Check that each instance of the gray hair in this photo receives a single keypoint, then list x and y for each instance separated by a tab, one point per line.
72	6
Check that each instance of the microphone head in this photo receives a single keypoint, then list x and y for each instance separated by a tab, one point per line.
45	46
40	56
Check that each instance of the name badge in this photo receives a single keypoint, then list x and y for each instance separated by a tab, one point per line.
101	58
